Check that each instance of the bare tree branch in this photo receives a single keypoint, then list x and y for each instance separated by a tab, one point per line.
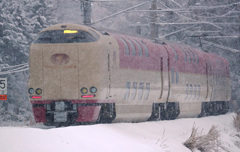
176	3
222	37
220	46
119	12
213	24
177	31
214	7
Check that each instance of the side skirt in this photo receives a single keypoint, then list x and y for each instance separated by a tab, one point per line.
107	113
214	108
165	111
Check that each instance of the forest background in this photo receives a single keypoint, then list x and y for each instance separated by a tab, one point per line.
213	26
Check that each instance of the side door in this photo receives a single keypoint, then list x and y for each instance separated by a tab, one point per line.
165	74
210	80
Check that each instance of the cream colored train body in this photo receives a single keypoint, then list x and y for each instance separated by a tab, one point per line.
78	74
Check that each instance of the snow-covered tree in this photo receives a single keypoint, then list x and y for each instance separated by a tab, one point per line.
20	21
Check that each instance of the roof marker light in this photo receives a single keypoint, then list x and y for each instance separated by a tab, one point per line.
70	31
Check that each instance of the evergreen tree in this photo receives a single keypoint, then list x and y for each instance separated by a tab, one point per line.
20	21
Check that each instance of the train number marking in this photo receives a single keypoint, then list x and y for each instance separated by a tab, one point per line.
3	83
3	88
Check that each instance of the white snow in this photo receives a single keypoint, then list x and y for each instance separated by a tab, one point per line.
117	137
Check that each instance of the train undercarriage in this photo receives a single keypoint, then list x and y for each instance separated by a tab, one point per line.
214	108
65	113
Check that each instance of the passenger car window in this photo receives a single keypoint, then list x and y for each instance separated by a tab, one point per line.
193	56
140	91
188	55
127	91
177	77
199	91
195	91
172	75
196	56
65	36
184	54
132	47
126	48
145	49
134	91
147	91
186	91
175	52
139	48
191	90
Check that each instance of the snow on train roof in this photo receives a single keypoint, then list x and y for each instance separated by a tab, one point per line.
68	26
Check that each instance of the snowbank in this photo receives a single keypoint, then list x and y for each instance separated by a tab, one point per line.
117	137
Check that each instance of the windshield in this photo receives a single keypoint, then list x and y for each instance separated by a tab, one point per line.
65	36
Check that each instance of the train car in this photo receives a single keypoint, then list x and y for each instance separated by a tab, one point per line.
82	75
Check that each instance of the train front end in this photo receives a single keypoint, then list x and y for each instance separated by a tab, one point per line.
68	79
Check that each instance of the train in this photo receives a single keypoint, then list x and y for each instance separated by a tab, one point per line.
78	75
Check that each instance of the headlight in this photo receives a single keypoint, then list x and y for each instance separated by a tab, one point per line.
84	90
38	91
93	89
30	90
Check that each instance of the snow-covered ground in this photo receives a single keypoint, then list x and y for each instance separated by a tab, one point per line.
158	136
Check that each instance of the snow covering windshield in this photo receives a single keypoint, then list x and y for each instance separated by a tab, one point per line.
65	36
